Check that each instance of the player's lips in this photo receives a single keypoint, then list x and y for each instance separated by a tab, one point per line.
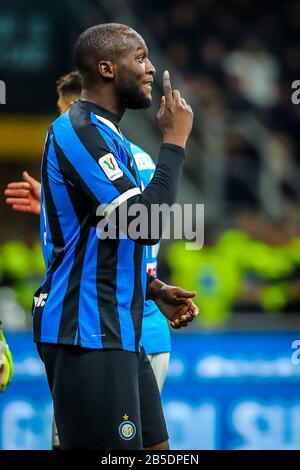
148	85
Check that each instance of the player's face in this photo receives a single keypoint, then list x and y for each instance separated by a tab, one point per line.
134	76
62	104
65	102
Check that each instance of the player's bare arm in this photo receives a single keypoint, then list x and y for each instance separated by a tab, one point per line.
24	196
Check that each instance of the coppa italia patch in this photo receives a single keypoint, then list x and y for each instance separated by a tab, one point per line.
110	167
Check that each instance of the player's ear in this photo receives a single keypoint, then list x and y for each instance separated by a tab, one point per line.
106	69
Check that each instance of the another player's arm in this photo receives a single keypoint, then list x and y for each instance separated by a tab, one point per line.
24	196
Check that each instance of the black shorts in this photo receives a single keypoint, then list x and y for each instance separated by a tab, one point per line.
103	399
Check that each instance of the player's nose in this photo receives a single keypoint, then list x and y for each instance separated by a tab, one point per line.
150	68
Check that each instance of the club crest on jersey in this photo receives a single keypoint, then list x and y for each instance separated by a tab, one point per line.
110	167
127	429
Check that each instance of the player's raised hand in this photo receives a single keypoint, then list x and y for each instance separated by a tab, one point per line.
24	196
175	116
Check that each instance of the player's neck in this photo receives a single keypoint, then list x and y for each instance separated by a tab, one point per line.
105	100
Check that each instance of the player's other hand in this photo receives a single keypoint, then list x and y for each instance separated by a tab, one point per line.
177	306
175	116
24	196
182	318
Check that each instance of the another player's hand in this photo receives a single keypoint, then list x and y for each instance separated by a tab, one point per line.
177	305
24	196
6	363
175	116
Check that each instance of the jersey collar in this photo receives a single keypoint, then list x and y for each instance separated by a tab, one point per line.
98	110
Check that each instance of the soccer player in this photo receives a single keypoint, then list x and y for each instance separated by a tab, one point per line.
24	196
88	311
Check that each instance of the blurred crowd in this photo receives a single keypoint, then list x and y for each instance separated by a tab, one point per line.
238	57
238	60
252	267
21	271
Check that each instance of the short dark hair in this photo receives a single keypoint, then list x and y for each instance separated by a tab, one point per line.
101	42
69	84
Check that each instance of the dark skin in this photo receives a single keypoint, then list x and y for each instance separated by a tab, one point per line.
134	67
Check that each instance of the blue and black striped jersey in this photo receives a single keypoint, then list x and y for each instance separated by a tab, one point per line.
94	289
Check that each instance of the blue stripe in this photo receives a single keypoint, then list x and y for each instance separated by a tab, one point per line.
88	315
83	163
125	292
76	337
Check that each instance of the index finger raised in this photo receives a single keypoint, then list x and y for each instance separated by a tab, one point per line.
167	87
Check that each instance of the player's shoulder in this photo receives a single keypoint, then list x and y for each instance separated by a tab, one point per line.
61	121
78	118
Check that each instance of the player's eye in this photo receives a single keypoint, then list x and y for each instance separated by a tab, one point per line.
141	59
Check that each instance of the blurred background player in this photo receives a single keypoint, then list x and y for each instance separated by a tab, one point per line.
24	196
6	362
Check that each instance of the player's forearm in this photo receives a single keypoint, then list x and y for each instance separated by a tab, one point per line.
154	286
161	190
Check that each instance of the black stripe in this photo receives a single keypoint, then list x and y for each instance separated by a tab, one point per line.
69	317
93	141
53	220
130	166
106	291
38	311
137	304
78	343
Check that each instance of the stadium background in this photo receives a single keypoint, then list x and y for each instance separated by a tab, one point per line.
234	376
